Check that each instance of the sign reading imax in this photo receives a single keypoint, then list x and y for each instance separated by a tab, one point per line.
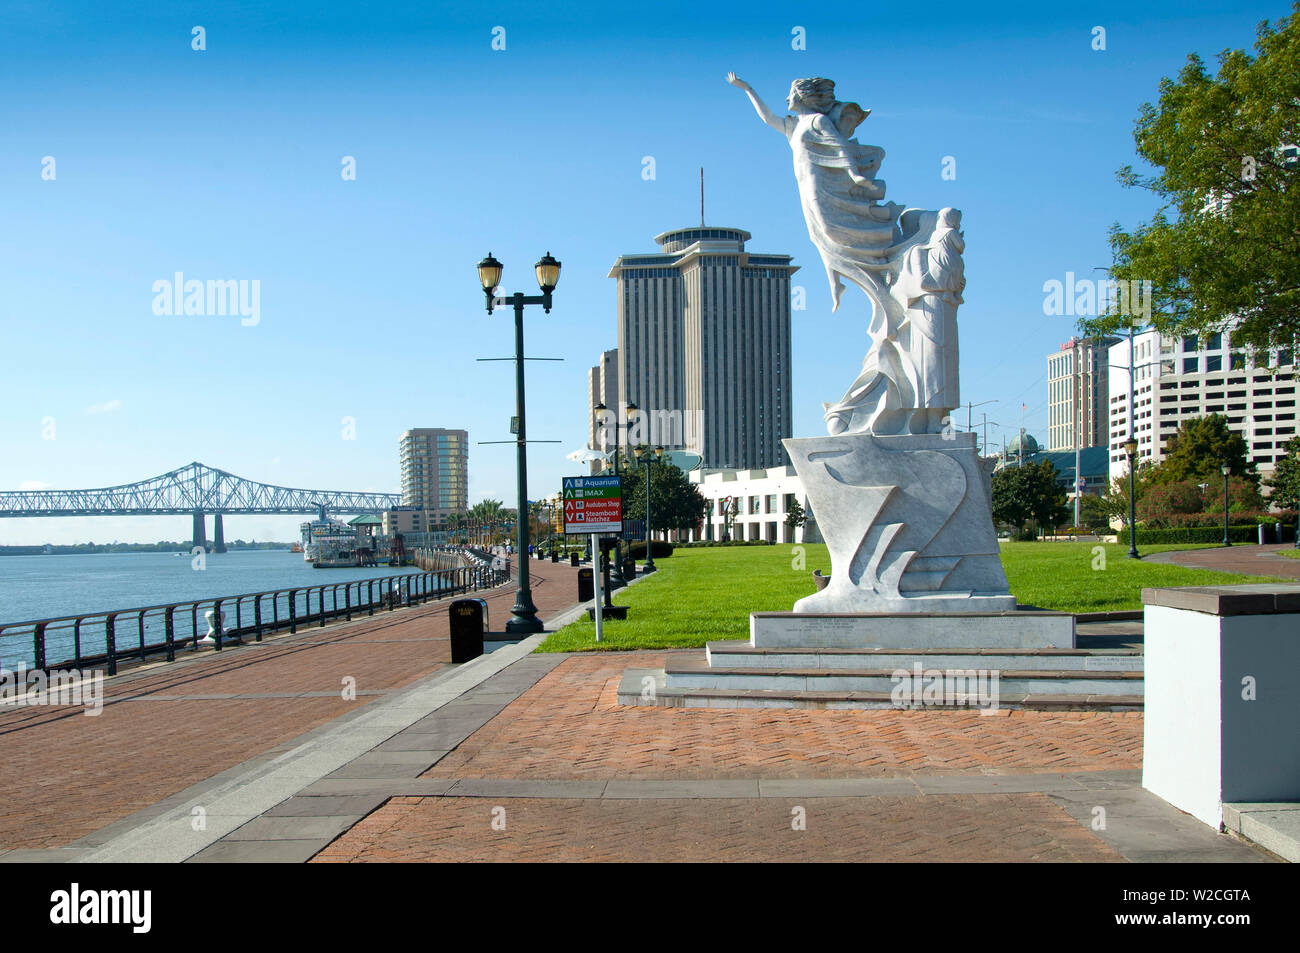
593	504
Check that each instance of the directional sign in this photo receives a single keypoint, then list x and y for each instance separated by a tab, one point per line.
593	504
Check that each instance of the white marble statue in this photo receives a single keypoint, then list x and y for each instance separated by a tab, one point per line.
908	263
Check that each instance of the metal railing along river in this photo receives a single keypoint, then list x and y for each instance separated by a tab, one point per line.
95	639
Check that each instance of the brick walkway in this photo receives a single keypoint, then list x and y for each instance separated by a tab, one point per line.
529	757
1251	559
569	725
989	828
168	726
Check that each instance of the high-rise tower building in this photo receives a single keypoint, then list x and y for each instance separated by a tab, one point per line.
602	388
435	469
1078	389
704	346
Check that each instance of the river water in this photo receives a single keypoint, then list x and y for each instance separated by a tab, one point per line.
43	587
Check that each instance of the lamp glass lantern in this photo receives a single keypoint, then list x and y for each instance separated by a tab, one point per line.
489	273
548	273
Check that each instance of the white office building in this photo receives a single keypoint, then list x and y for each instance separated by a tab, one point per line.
1179	378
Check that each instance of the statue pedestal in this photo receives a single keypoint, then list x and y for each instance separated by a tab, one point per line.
908	521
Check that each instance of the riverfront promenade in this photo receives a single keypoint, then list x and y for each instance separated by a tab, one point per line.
166	726
519	756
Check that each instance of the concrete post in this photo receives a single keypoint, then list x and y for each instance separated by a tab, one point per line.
1221	706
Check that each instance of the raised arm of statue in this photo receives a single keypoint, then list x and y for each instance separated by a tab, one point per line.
772	119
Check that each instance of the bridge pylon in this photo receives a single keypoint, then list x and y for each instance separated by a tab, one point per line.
218	534
200	535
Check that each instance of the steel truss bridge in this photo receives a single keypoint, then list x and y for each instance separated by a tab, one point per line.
192	490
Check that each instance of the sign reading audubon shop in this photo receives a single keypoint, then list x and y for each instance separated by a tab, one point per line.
593	504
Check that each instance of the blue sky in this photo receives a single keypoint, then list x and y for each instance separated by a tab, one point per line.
225	164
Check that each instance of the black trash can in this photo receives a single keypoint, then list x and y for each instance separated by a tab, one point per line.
586	585
573	560
469	624
555	557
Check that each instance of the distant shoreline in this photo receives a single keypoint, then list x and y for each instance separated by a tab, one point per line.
96	549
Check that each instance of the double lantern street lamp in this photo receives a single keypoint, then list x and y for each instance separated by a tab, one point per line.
648	456
616	580
523	615
1131	448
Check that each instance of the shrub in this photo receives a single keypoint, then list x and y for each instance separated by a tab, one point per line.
660	549
1191	534
734	542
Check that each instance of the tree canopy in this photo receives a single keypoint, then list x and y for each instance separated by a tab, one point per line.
675	502
1284	481
1224	245
1028	492
1198	451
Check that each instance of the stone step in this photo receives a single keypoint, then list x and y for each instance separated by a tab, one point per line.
698	674
737	654
650	687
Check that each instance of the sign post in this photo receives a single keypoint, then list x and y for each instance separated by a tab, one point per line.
595	576
593	505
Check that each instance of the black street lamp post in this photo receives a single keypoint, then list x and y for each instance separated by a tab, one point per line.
1225	469
645	455
523	615
1131	448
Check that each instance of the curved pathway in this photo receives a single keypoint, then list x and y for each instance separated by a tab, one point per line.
1243	558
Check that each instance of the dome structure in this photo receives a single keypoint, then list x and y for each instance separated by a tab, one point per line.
1030	444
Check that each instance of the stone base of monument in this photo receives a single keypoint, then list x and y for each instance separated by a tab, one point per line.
917	611
1011	629
1022	659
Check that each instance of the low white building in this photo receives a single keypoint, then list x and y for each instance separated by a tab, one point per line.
752	505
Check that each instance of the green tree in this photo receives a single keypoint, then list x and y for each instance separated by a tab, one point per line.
676	502
795	517
1284	481
1094	514
1198	451
1028	492
1224	245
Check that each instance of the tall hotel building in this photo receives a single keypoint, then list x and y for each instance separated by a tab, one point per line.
704	346
1176	379
435	470
602	388
1078	387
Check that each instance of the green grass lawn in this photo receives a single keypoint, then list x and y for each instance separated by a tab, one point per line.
1290	553
706	594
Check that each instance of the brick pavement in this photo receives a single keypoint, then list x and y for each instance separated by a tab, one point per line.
569	725
987	828
167	726
1253	560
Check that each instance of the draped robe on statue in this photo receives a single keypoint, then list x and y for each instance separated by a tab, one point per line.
909	266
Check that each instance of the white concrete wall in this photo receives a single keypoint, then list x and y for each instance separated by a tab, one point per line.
1204	743
1181	747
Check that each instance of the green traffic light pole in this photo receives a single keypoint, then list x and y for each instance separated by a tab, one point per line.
523	615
